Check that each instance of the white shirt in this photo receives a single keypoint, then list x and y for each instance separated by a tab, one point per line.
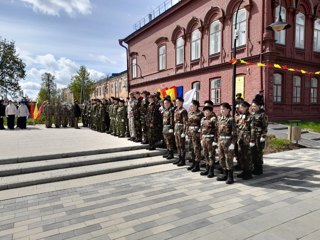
23	111
11	109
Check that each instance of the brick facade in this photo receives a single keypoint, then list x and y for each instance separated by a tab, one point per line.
187	16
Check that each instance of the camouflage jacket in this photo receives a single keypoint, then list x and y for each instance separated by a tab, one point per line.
246	125
168	118
209	127
153	118
180	120
121	113
227	128
143	110
194	121
260	123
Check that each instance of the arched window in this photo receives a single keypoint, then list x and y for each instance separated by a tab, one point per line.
241	33
300	26
314	90
316	43
162	57
195	44
280	37
296	93
134	67
277	88
215	37
179	51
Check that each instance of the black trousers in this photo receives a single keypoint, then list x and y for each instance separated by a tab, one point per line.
1	123
10	120
23	122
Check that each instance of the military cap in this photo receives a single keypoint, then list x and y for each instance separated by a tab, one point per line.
196	103
146	92
137	92
152	96
167	99
168	96
257	102
245	104
208	103
116	99
121	100
226	105
112	97
208	107
180	99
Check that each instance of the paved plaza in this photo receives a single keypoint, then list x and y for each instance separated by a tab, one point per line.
167	202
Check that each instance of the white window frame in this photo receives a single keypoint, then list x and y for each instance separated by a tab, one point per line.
215	37
300	30
162	57
195	44
316	41
215	86
296	91
134	67
196	85
280	36
314	90
241	28
179	51
277	87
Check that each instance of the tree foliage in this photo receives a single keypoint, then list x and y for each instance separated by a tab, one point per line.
48	89
81	85
12	69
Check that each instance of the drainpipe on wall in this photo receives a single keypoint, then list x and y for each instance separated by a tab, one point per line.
121	43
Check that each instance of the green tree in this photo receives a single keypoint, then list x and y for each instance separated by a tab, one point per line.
48	89
12	69
81	85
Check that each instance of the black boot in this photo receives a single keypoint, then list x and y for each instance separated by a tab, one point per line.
240	175
230	177
166	154
258	170
192	166
183	161
223	177
206	172
178	160
170	155
196	167
211	172
247	175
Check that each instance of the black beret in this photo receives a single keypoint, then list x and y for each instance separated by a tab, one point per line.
180	99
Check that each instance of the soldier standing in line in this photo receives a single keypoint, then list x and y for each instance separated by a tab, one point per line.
153	120
131	102
77	114
180	124
143	114
94	113
99	116
107	108
110	111
168	125
64	115
246	140
226	141
85	114
47	112
236	147
209	138
121	119
193	133
115	118
136	116
261	129
70	115
2	114
57	114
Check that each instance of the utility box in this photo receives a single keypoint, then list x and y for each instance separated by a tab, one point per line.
294	133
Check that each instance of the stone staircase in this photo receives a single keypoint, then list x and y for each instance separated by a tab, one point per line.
21	172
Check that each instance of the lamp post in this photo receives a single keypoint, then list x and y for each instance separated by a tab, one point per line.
279	24
234	72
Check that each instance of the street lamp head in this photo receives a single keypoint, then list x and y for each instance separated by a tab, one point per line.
278	26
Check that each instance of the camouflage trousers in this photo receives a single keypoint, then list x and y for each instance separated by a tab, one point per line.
144	131
48	122
132	129
121	128
257	151
245	152
64	121
57	121
180	141
137	128
195	145
225	155
168	139
152	136
209	151
115	127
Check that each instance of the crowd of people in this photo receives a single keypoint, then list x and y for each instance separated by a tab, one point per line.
12	111
148	119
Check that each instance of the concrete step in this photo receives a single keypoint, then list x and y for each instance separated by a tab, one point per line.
35	178
52	164
69	154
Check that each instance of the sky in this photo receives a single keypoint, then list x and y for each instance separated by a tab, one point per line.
58	36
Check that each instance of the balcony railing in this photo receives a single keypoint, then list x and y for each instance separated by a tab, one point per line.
155	13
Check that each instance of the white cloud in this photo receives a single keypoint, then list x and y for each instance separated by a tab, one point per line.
106	59
54	7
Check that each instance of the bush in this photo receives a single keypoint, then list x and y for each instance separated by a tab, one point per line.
274	144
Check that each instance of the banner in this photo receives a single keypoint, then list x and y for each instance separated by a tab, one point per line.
188	97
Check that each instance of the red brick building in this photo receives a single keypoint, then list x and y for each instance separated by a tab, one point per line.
190	44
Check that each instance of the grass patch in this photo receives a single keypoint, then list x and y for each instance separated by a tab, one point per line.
274	145
313	126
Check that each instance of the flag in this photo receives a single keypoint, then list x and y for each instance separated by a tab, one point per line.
31	109
40	110
36	110
171	92
163	92
188	97
180	91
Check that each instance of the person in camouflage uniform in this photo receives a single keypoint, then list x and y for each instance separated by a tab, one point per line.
85	114
153	121
94	112
226	141
107	116
99	113
121	117
64	115
57	115
236	147
246	140
110	111
70	115
180	124
115	118
48	112
136	116
168	125
143	115
131	102
193	133
261	129
209	140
